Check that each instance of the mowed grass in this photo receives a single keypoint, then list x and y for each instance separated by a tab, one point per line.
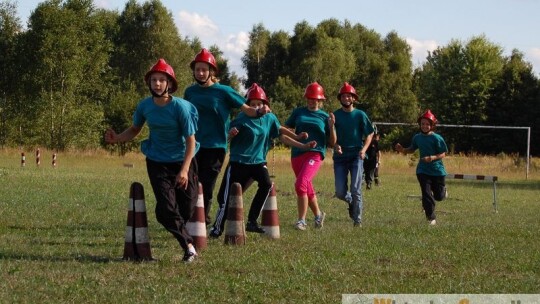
62	237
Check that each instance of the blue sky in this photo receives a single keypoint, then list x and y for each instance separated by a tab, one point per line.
425	24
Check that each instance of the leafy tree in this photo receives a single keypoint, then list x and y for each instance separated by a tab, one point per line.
253	57
9	29
514	102
273	64
66	57
457	81
146	33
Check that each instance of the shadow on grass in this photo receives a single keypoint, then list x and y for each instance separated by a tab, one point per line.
93	259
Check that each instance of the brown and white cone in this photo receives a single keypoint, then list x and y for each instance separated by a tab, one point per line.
235	233
270	218
137	241
196	226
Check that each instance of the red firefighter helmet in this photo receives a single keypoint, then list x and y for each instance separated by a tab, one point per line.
347	88
163	67
429	116
256	92
206	57
314	91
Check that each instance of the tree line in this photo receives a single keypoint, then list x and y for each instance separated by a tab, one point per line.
77	69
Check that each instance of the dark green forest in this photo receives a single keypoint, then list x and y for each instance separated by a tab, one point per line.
74	70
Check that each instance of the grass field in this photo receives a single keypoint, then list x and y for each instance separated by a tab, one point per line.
62	237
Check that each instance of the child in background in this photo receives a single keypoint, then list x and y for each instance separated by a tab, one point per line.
305	164
430	170
250	139
354	132
215	103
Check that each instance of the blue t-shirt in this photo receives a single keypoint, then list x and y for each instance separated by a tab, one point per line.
429	144
214	104
253	140
315	123
169	125
351	129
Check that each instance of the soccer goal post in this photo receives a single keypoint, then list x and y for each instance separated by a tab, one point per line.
528	129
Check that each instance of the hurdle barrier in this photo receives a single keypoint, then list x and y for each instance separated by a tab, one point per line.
235	233
270	218
137	241
486	178
196	226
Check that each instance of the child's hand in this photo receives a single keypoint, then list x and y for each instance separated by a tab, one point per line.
398	148
310	145
110	136
233	132
331	120
337	149
302	135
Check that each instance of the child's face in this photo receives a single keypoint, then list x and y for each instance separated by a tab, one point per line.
201	71
346	98
313	104
159	82
425	125
256	103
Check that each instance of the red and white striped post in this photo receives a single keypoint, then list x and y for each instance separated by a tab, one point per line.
54	160
38	157
23	159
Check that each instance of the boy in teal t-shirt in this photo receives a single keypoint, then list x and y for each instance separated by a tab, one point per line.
170	152
430	170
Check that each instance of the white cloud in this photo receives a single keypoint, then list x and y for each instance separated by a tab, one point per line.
420	48
195	25
533	56
232	45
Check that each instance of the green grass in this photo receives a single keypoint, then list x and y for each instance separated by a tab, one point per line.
62	238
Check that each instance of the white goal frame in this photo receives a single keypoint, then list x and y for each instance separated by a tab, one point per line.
475	126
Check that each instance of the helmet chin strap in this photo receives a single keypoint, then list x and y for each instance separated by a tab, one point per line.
166	91
201	82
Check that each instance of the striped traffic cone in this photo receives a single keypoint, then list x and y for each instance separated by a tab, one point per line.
137	241
270	218
234	227
196	226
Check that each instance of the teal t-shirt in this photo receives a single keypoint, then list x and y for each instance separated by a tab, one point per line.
168	125
253	140
315	123
214	104
351	129
429	144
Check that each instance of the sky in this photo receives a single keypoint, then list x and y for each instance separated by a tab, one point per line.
424	24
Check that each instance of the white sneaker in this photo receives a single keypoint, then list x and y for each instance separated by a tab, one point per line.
432	222
300	225
319	220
